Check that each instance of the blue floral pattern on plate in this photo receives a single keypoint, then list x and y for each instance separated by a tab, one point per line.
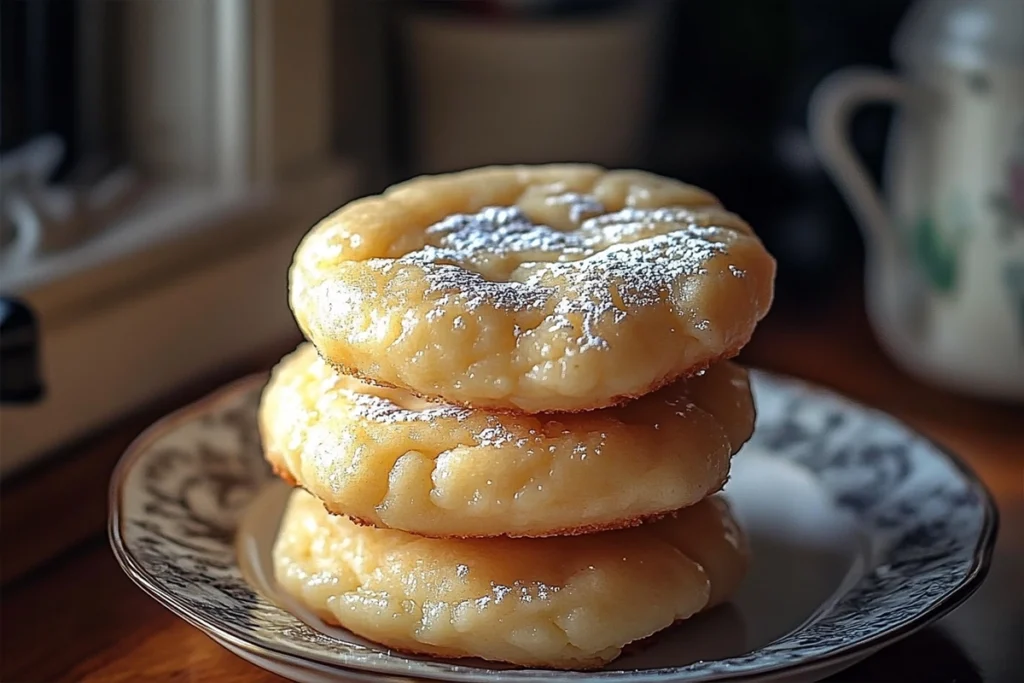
179	492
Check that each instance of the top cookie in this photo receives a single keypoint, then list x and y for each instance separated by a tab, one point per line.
529	289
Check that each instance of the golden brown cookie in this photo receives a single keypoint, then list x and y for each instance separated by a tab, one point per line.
531	289
385	457
561	603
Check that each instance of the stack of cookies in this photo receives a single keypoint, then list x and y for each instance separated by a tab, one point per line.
513	412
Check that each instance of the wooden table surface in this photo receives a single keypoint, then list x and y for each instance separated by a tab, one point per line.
67	612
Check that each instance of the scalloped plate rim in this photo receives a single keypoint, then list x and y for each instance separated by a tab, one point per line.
834	660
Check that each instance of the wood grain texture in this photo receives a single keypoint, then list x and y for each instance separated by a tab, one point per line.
69	614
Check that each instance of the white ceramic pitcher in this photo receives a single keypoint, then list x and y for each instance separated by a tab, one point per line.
945	270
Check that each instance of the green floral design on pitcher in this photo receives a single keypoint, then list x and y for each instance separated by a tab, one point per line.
1014	276
937	257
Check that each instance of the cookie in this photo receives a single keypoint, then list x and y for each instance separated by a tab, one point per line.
564	603
385	457
531	289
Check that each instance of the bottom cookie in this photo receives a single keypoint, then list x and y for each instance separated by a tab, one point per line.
564	603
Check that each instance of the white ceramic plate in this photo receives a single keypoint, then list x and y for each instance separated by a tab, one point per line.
862	533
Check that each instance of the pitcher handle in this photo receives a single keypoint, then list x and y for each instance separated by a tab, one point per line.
832	105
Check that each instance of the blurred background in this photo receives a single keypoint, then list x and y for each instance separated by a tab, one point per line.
161	159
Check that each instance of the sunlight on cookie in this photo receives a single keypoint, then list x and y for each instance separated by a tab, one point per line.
388	458
563	287
554	602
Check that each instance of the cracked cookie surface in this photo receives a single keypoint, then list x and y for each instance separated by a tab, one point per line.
531	289
388	458
565	603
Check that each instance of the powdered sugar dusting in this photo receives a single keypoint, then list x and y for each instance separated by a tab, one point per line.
525	591
379	409
495	231
623	277
496	435
612	264
382	410
580	205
